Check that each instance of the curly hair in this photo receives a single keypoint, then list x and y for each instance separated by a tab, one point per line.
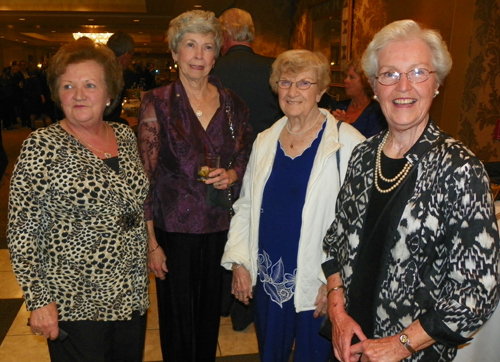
298	61
196	22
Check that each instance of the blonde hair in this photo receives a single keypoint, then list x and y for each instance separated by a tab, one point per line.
298	61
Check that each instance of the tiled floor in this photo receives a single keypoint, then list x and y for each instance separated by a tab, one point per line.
20	345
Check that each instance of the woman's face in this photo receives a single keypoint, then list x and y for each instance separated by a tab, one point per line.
297	103
195	55
83	92
406	104
353	84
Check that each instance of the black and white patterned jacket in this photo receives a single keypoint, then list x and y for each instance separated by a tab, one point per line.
441	264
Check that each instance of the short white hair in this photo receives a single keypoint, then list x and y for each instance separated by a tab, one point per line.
407	30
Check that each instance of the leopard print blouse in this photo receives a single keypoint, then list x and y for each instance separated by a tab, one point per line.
76	229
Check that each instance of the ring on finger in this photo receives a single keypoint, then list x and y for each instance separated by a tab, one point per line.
38	333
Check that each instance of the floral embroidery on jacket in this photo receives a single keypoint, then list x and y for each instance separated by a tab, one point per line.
280	286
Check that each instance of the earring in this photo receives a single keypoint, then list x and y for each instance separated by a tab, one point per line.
107	104
436	93
375	97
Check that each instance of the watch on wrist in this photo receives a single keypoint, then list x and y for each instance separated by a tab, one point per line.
405	341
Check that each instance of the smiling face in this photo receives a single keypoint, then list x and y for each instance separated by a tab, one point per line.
296	103
195	56
353	84
405	104
83	92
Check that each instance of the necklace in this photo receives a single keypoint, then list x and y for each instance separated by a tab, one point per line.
378	170
297	133
106	154
198	111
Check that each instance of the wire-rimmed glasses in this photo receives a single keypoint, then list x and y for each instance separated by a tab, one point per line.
301	84
417	75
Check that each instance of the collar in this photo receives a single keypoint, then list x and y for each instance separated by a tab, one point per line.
236	48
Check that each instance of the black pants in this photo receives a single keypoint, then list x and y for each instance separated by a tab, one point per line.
189	298
90	341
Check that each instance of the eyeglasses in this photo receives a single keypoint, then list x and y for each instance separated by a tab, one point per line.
301	84
417	75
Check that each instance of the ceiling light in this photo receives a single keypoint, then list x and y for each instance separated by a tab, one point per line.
136	21
22	19
96	37
197	6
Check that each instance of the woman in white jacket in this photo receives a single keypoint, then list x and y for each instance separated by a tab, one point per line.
287	203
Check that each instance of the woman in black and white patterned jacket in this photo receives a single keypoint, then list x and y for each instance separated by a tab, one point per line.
413	253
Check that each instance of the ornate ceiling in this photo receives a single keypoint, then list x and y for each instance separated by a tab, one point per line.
50	23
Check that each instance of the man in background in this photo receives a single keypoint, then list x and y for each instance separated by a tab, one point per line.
123	46
245	72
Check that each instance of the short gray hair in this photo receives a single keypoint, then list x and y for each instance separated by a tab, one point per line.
238	24
407	30
196	22
121	43
301	60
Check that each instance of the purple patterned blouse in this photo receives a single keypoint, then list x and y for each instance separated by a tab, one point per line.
170	139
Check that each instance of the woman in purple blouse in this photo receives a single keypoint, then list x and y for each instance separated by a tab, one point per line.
179	121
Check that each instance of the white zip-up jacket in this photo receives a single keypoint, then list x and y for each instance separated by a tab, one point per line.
317	215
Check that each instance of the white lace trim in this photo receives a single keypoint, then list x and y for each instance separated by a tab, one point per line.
280	286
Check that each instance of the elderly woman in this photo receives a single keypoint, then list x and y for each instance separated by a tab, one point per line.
413	252
193	115
76	232
360	110
286	205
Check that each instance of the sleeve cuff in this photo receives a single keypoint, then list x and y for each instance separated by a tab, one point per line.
433	324
329	268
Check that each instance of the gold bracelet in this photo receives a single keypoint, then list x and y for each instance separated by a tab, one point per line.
334	289
154	249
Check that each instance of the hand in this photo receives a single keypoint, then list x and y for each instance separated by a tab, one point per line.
132	121
242	285
321	302
340	115
44	321
343	329
157	262
387	349
221	179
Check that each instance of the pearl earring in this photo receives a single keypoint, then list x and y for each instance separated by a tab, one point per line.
107	104
375	97
436	93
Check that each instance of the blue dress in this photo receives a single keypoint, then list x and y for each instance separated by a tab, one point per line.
370	122
276	321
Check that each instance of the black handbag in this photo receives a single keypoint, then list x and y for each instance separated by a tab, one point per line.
223	198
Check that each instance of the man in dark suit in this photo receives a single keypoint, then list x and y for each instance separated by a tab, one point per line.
244	72
247	74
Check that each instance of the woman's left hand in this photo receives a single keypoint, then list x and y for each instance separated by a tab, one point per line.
321	302
44	321
387	349
221	179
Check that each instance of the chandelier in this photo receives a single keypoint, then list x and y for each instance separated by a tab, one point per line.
96	37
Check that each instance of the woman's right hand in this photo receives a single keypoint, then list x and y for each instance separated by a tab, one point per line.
344	328
44	321
242	284
157	262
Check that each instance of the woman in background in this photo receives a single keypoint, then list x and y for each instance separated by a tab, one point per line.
361	111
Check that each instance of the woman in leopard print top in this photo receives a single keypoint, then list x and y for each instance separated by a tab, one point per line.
76	232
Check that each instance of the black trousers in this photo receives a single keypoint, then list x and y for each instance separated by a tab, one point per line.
189	298
91	341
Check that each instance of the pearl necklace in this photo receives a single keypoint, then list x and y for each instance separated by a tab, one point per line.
297	133
106	154
378	170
